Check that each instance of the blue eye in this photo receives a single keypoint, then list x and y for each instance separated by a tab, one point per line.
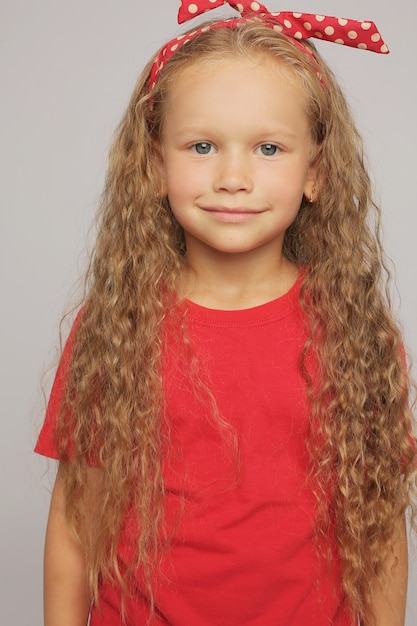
202	147
268	149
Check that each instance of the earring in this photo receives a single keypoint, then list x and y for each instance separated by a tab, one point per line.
313	195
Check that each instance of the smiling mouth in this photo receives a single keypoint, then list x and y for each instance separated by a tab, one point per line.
238	214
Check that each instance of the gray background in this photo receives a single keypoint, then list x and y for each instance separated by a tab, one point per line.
67	71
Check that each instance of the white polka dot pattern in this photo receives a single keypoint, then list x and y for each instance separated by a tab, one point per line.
357	34
197	7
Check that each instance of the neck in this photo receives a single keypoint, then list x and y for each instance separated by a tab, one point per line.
237	281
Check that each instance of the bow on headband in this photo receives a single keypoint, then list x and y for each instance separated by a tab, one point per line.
353	33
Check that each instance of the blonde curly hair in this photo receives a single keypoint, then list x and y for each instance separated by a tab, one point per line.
360	443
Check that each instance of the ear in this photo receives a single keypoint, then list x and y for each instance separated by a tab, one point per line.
310	189
310	184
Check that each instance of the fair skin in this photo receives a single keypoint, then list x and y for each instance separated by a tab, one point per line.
236	162
66	600
389	602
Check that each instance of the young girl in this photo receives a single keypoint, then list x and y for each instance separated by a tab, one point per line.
231	408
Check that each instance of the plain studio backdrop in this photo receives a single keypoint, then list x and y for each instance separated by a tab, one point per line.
67	71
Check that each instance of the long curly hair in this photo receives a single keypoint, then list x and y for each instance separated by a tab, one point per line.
361	444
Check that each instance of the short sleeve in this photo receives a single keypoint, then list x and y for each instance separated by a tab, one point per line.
46	443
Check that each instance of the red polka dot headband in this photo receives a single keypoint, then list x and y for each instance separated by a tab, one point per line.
353	33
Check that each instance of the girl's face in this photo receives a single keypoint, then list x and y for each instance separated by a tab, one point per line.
236	150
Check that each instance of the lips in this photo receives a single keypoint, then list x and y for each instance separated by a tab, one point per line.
224	209
235	214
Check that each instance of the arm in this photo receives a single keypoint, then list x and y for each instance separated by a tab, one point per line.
389	603
66	602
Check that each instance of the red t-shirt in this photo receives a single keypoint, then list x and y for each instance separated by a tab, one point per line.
243	552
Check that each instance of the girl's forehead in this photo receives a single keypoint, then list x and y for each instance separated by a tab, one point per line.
236	95
212	68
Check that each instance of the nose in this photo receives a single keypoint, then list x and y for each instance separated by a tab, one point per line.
233	173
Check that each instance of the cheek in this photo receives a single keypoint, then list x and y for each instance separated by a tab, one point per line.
178	189
286	186
183	183
180	196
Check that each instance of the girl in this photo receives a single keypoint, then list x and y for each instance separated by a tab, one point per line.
230	410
